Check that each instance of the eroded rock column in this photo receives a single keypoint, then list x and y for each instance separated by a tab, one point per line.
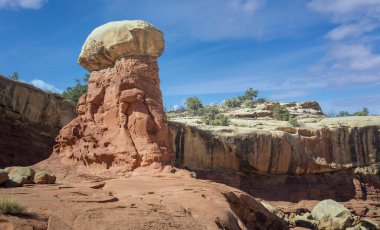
120	123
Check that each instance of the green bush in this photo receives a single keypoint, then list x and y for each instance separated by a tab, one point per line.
14	76
249	103
281	113
293	121
232	102
9	206
249	95
213	117
194	105
364	112
74	93
344	114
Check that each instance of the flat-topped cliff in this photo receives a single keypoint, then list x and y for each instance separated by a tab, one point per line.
267	146
30	119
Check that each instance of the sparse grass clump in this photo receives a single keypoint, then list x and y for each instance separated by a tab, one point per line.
9	206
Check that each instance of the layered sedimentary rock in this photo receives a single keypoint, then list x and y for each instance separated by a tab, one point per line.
327	145
120	123
30	119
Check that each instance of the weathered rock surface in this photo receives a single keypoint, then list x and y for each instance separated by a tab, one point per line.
41	177
30	119
3	176
273	147
120	124
328	208
115	40
19	176
88	202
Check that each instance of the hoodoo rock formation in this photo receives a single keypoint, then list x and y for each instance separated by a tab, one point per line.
120	124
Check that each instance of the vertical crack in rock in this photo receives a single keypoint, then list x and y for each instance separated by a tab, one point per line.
120	124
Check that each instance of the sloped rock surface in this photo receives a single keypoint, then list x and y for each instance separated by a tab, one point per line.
148	203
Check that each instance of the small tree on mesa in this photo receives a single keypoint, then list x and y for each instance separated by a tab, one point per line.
14	76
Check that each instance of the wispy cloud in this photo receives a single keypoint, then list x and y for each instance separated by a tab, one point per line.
355	57
352	58
210	20
23	4
347	10
45	86
351	30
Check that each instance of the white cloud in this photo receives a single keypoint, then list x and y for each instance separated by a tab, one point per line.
351	30
210	20
355	18
352	58
23	4
345	10
356	57
45	86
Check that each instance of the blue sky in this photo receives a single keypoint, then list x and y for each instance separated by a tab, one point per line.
290	50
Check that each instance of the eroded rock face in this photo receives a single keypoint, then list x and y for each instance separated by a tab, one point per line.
120	123
328	146
30	119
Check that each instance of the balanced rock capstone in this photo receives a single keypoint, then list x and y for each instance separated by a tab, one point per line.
121	122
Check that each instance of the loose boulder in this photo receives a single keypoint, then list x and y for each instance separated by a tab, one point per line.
328	208
3	176
44	178
19	176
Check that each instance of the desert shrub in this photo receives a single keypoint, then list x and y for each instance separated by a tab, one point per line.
249	95
14	76
249	103
364	112
9	206
261	100
194	105
343	114
232	102
74	93
293	121
213	117
281	113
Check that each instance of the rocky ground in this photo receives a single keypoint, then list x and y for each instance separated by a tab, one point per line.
167	201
